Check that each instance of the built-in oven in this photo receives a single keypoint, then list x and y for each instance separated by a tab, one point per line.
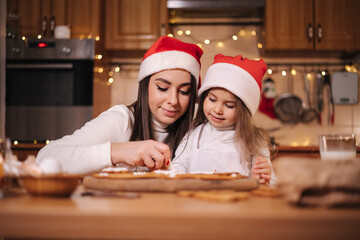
49	87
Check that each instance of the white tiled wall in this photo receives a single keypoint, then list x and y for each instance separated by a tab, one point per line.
347	118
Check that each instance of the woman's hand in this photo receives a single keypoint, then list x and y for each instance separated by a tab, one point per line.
147	153
261	170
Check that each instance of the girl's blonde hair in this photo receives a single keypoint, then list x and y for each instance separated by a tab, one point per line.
253	138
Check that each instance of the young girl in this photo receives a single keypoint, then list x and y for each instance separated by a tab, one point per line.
145	133
223	136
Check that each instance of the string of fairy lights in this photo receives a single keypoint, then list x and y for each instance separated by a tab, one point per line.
243	32
309	69
219	42
251	31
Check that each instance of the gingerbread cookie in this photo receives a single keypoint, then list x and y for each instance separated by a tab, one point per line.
185	193
215	195
221	195
266	191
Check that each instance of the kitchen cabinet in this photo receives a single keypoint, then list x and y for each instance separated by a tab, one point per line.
82	15
134	24
311	25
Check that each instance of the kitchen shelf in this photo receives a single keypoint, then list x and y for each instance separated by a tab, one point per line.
308	149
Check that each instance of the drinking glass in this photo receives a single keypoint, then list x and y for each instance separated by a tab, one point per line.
337	146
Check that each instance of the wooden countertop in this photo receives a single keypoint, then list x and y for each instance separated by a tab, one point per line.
309	149
168	216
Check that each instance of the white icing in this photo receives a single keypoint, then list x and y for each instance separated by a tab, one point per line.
139	173
199	172
115	169
169	173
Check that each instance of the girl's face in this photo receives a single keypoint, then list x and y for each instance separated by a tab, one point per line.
219	107
169	94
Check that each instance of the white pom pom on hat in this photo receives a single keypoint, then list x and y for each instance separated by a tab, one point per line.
239	75
170	53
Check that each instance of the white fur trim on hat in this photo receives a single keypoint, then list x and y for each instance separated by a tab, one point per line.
169	60
236	80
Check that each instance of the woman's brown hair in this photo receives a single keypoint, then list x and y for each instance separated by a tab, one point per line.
142	127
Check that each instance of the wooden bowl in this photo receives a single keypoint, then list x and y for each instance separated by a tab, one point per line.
51	185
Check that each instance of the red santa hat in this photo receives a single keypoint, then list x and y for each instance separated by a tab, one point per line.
239	75
170	53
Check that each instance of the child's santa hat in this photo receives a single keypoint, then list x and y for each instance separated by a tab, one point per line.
170	53
239	75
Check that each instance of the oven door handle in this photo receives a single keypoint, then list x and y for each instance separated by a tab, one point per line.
41	66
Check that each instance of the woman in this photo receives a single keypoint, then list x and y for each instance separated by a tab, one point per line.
145	133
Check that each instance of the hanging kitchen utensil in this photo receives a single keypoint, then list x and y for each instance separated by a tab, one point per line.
319	94
309	112
330	101
268	97
287	106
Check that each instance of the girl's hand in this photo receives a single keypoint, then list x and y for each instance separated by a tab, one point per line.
261	170
147	153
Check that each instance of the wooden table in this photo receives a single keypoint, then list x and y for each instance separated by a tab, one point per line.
168	216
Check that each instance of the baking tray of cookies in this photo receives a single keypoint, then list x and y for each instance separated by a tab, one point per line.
155	182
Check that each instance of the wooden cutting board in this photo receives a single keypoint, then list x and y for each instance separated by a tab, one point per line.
166	185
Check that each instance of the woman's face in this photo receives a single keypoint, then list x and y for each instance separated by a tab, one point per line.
169	94
219	107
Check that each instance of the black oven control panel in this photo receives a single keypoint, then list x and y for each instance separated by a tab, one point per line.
51	49
41	44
